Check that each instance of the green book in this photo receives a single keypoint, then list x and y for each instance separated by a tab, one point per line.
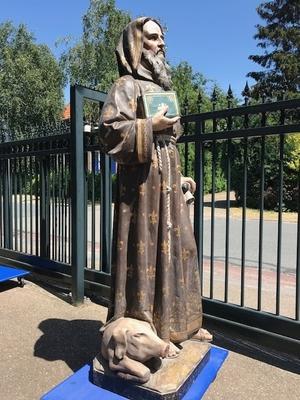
154	101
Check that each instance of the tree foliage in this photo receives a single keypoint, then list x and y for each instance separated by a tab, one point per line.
271	190
91	61
31	81
280	41
192	91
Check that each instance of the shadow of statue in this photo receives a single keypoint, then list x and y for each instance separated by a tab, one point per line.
76	342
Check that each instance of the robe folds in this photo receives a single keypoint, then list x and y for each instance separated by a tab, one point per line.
155	274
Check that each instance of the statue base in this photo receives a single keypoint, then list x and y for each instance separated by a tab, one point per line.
170	382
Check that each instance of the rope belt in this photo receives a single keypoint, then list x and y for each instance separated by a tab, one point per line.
164	140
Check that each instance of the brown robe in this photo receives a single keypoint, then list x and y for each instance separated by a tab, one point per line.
155	273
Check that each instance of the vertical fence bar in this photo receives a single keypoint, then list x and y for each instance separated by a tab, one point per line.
66	171
1	208
31	205
59	206
297	311
261	222
62	207
7	205
70	214
14	180
212	226
213	196
93	213
198	206
37	197
55	208
228	187
186	145
51	195
244	222
100	224
78	196
20	192
66	207
186	159
201	203
25	201
245	149
279	235
44	208
86	208
227	228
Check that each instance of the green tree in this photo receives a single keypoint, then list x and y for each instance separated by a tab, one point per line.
191	89
280	41
188	86
271	170
31	81
91	61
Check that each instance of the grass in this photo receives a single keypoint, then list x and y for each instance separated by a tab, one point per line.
237	212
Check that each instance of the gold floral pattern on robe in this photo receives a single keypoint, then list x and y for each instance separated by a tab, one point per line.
146	283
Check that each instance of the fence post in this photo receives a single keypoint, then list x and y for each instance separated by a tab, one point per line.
77	196
7	200
44	209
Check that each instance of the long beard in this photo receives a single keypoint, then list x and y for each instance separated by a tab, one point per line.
161	71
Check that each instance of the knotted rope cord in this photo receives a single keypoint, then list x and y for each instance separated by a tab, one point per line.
158	152
162	138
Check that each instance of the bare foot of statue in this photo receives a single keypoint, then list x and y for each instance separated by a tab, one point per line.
173	351
203	336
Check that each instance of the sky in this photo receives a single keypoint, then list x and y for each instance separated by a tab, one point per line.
214	36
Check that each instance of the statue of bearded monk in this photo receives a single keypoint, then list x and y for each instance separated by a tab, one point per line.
155	276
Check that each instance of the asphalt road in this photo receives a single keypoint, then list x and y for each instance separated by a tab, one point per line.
270	239
269	248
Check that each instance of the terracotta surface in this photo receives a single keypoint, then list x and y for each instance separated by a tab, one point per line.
127	344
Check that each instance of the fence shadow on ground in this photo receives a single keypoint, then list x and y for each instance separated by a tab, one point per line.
220	204
243	343
75	342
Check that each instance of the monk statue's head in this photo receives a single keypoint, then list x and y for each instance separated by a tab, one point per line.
141	52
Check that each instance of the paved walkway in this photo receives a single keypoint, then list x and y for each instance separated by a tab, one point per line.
44	339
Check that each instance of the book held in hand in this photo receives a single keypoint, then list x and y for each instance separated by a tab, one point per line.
155	101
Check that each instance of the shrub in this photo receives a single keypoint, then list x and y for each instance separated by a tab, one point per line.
271	190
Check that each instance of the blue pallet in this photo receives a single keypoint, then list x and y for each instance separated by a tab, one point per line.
79	387
7	273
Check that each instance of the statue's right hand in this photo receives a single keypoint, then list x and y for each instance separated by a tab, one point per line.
161	122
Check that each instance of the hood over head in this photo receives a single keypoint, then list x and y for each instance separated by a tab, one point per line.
130	48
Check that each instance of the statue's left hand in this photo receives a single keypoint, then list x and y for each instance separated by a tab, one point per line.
190	181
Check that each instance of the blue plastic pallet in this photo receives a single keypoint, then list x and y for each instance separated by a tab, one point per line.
7	273
79	386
